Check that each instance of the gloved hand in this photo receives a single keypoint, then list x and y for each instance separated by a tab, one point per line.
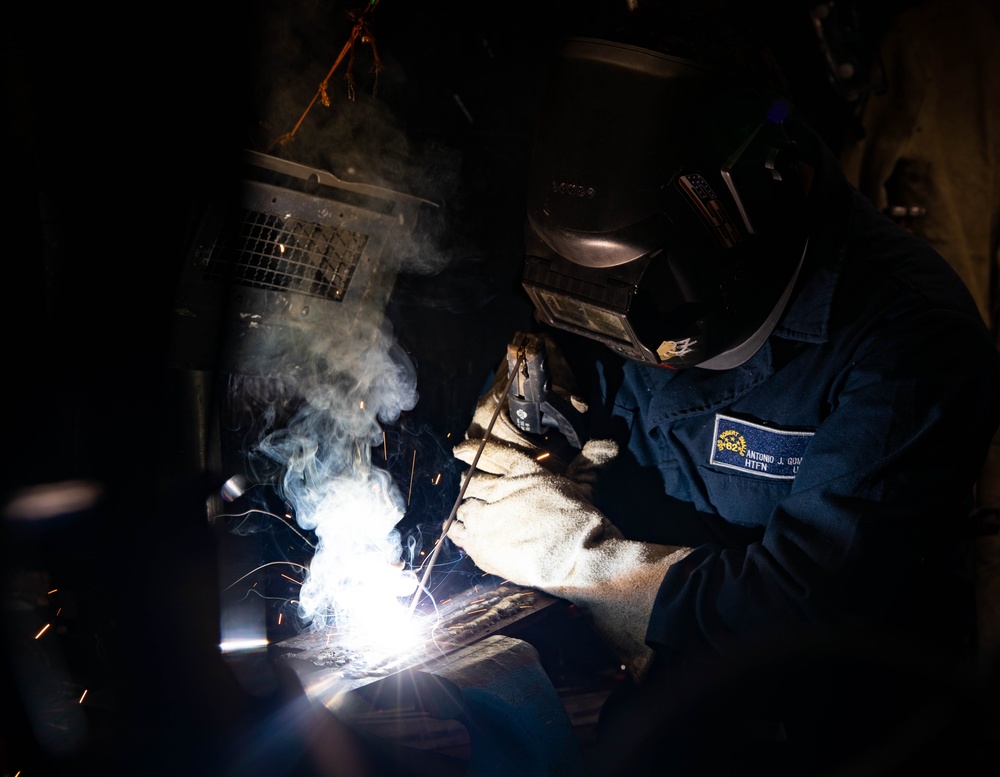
563	385
539	529
503	428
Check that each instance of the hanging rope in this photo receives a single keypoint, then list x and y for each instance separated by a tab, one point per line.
360	31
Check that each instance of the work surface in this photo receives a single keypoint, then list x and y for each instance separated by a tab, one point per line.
328	667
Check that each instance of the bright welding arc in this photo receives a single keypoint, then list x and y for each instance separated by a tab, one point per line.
465	483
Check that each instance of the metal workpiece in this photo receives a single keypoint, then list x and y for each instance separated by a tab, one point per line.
328	665
472	689
498	691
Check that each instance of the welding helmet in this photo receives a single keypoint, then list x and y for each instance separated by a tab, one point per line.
665	217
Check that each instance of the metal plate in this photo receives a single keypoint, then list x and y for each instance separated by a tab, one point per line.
328	669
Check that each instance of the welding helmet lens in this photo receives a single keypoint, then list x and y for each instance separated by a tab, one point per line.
663	219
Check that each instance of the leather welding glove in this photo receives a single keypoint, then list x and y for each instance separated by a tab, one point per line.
538	529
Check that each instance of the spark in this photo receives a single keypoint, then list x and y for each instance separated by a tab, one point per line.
412	467
268	513
437	479
461	105
52	591
83	697
44	629
541	456
257	569
297	582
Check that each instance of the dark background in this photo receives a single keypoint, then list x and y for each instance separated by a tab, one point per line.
117	125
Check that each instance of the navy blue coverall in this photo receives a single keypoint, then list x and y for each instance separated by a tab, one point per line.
826	483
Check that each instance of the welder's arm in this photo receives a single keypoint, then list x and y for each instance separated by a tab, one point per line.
538	529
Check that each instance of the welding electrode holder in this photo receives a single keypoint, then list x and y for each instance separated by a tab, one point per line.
533	406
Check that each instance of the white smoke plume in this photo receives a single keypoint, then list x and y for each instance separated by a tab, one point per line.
352	505
353	382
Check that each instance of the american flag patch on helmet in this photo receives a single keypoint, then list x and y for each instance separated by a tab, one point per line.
712	211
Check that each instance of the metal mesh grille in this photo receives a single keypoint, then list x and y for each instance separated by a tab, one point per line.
269	252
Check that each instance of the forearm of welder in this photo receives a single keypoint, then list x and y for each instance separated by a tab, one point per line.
616	582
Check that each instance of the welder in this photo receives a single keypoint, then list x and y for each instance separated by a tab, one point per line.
789	399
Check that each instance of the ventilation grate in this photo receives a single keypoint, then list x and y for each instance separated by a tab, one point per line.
265	251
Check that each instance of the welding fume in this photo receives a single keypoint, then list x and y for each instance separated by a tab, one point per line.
557	409
765	504
723	444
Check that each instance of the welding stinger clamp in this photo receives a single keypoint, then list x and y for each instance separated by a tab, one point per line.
533	406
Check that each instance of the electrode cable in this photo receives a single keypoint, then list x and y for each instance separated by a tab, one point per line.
361	30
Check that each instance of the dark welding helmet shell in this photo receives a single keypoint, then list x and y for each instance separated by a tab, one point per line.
664	216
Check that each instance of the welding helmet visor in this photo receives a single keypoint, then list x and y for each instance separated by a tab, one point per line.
664	215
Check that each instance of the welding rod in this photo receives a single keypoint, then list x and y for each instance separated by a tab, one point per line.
465	484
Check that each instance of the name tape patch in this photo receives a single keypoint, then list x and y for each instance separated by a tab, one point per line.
757	450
